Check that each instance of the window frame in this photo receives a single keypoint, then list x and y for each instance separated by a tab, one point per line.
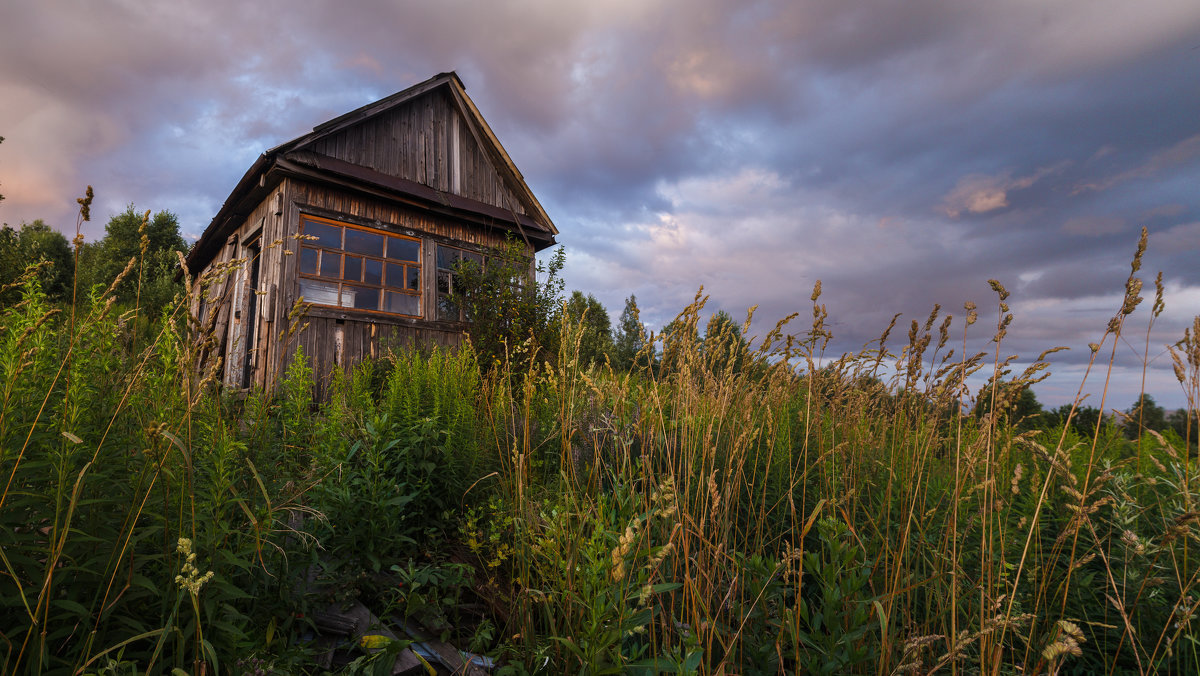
411	270
442	298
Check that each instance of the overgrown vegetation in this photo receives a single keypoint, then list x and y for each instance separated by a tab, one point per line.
726	507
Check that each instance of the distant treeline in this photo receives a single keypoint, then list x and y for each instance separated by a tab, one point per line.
129	235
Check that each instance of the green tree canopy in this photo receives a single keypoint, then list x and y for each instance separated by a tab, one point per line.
153	241
1183	422
504	306
595	340
1145	414
1015	402
36	243
724	347
680	342
630	336
1085	421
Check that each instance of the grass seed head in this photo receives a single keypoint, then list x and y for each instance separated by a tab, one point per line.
85	204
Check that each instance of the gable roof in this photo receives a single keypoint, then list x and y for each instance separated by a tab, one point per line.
298	158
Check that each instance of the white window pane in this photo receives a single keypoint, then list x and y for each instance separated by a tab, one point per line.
321	293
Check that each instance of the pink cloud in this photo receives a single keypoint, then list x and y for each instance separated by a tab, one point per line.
980	193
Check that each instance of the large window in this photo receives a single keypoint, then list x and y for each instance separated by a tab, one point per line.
447	261
355	267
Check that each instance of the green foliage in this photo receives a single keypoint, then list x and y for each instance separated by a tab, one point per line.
1085	420
604	562
725	350
629	339
1183	424
1014	403
733	512
35	243
109	472
1145	414
509	301
835	628
594	329
152	244
430	592
387	496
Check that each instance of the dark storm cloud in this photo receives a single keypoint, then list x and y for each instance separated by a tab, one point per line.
904	153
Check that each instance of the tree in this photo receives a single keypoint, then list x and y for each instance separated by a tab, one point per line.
1020	406
724	347
1145	414
36	243
153	242
1180	420
1084	422
680	342
505	304
630	336
595	339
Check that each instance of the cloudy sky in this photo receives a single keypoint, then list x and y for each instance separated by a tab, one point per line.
901	152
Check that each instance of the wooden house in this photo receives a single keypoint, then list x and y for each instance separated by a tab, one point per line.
357	226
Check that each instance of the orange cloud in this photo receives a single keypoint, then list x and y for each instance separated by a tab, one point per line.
980	193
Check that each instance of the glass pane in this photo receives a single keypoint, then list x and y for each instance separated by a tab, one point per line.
446	257
414	279
372	271
331	264
308	261
326	235
474	257
320	293
360	297
443	282
403	303
352	270
363	242
447	309
403	249
395	275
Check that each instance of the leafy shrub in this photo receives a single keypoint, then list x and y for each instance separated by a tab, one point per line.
506	303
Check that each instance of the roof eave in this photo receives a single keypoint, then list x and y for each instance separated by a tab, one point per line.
208	242
315	167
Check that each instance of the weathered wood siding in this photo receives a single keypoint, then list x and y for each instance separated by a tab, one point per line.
227	306
338	337
427	141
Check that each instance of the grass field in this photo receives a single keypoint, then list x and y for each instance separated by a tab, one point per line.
737	508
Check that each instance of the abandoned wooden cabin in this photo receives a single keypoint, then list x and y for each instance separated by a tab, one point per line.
359	224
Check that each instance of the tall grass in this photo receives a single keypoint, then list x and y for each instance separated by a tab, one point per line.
782	511
135	526
737	508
